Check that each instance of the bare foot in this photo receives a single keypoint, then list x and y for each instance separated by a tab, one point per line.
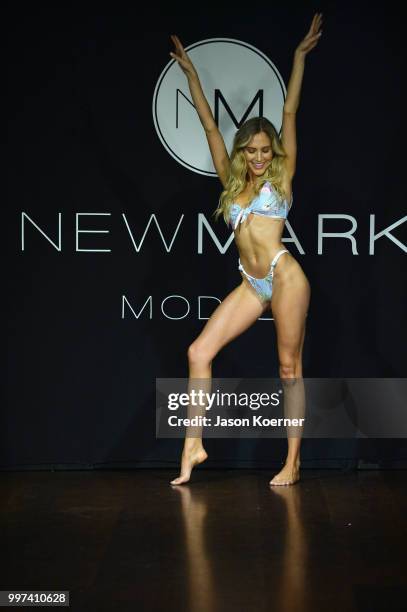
289	475
190	458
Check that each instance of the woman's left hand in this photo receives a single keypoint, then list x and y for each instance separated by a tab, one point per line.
313	36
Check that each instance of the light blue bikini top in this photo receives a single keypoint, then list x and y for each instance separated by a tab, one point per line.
267	203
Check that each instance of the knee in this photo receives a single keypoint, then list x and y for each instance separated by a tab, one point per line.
198	355
290	367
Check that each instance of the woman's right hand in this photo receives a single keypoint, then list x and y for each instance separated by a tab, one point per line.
182	58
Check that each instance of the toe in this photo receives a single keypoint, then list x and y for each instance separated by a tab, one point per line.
179	480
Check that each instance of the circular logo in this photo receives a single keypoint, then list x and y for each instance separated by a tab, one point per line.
239	82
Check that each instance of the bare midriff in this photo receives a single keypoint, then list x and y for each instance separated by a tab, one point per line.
258	239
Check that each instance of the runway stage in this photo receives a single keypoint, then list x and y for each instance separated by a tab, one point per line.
128	541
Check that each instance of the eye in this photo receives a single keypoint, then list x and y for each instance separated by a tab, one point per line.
266	150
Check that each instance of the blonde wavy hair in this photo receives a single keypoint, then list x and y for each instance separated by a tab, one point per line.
237	179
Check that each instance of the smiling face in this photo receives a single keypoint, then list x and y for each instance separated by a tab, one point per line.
258	154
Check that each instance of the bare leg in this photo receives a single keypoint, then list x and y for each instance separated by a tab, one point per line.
238	311
290	301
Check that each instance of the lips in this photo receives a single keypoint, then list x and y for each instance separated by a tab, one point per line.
258	166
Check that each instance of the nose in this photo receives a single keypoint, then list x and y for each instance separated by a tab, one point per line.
258	157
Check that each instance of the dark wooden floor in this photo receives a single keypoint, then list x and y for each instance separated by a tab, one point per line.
128	541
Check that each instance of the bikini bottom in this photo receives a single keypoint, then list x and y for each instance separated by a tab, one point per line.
263	286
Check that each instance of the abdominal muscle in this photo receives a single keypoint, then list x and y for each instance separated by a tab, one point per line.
258	239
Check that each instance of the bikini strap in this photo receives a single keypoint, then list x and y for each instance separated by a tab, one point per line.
277	256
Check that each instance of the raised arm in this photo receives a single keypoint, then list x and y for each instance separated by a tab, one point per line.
216	143
288	130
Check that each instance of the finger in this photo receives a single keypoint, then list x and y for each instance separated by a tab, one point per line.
316	22
314	36
313	41
176	43
181	48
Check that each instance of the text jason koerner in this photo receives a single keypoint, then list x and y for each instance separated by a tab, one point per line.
255	420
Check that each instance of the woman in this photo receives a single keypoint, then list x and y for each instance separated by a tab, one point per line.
256	199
